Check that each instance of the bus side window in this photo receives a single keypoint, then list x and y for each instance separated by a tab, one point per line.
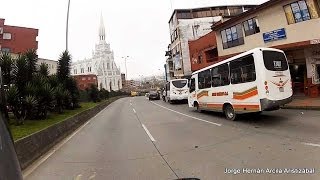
242	70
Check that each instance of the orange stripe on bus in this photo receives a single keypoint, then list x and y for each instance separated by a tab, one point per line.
246	96
248	106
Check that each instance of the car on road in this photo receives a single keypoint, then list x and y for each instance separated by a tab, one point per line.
154	95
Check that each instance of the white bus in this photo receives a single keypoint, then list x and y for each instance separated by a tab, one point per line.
176	90
254	81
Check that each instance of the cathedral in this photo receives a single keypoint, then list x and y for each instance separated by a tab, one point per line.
101	64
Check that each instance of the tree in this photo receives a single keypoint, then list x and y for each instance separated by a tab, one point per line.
59	97
20	72
43	70
31	58
6	64
17	104
63	71
72	87
94	93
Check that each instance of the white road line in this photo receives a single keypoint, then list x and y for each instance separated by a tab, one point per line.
217	124
149	134
311	144
130	104
42	159
134	110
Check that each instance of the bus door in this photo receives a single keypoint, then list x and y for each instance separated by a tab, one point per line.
192	92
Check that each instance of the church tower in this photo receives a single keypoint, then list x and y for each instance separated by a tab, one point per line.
102	31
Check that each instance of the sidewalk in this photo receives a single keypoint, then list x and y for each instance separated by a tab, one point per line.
303	102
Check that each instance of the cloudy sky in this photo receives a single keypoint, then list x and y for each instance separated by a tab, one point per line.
138	29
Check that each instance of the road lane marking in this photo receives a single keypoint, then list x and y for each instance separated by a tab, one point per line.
79	177
217	124
130	104
134	111
92	176
149	134
42	159
311	144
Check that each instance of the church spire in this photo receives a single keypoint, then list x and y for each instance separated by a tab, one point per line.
102	34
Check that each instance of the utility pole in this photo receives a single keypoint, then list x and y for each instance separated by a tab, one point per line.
125	63
67	25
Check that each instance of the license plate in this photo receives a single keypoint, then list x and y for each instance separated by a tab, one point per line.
281	89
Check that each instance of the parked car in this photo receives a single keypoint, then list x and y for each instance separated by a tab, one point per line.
154	95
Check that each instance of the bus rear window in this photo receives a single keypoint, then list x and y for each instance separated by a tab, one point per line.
275	61
179	83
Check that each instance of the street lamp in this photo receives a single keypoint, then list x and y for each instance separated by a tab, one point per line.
67	25
125	63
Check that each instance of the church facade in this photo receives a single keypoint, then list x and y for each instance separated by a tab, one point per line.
100	64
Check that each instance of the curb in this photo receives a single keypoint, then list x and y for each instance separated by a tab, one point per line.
302	107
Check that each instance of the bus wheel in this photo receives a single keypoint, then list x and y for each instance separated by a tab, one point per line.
229	112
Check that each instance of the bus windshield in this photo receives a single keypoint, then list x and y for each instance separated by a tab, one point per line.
179	83
275	61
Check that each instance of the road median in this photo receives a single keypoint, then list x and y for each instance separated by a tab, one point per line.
33	146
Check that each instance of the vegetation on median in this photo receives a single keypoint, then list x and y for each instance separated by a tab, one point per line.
32	126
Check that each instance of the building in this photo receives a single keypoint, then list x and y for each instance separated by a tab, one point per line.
52	65
101	64
203	51
16	40
191	24
289	25
85	81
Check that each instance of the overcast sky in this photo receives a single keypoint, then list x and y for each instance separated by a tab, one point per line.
138	29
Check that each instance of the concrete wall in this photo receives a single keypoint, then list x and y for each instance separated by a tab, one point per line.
271	19
32	147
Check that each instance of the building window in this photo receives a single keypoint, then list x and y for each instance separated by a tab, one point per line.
94	78
6	35
242	70
301	11
83	79
232	37
82	70
89	69
251	27
204	79
75	71
220	75
89	78
7	50
108	65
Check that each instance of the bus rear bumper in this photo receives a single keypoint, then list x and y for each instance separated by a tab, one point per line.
270	105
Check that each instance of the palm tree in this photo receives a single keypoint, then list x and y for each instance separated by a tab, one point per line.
6	64
72	86
63	71
45	97
17	104
43	70
31	105
59	97
20	72
32	58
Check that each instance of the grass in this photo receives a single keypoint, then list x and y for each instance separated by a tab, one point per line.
32	126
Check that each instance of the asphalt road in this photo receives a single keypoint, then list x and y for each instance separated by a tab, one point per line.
134	138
